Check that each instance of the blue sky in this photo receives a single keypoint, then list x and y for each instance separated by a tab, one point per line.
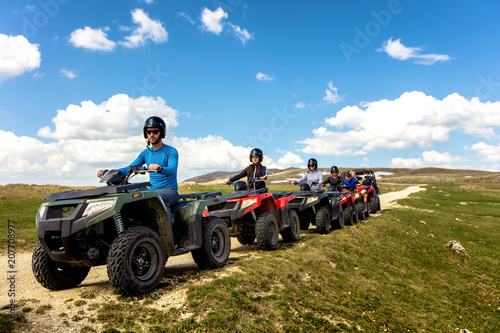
394	83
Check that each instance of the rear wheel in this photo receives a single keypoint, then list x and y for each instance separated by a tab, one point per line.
374	203
340	220
214	251
136	261
55	275
246	239
292	233
323	220
267	232
348	218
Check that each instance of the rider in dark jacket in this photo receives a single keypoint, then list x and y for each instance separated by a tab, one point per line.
334	180
256	173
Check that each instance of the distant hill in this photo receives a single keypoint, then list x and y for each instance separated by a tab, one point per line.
395	175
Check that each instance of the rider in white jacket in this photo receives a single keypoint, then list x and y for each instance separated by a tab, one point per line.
313	175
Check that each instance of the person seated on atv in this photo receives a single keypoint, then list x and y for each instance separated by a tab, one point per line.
159	157
334	180
350	182
256	173
312	176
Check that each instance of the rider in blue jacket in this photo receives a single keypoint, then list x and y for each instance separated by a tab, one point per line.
159	157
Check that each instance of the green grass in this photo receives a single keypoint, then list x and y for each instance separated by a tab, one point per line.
392	272
388	273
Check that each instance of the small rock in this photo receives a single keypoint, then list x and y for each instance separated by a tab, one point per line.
457	219
431	235
456	246
423	222
463	204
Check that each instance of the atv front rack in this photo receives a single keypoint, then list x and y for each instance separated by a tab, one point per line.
240	194
199	196
74	194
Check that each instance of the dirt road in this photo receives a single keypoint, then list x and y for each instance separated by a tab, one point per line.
29	294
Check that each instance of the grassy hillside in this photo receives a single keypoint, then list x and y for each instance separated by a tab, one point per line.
391	272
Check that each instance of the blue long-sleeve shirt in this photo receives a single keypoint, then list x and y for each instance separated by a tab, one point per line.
350	183
167	157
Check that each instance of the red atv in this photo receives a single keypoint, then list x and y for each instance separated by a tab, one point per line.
370	188
361	208
347	201
251	214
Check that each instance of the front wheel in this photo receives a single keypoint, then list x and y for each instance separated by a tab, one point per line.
360	210
348	217
267	232
292	233
323	220
136	261
55	275
214	251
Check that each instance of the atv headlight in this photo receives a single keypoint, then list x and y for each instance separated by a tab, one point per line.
363	191
40	213
248	203
309	200
357	195
96	207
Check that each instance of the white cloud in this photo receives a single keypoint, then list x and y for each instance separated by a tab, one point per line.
264	77
92	39
69	74
17	56
147	29
288	160
92	136
213	21
398	51
429	159
186	17
332	95
242	34
99	122
412	120
300	105
486	152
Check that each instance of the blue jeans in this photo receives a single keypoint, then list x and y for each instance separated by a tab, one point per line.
170	197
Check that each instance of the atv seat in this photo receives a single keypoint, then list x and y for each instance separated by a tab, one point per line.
175	208
281	194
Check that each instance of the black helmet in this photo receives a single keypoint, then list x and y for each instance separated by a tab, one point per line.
154	122
256	152
312	161
334	168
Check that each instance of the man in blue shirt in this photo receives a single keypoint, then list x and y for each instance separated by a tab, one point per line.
350	181
159	157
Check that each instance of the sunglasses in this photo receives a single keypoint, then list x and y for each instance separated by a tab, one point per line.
153	131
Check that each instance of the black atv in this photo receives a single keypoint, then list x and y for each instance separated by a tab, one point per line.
128	228
317	207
